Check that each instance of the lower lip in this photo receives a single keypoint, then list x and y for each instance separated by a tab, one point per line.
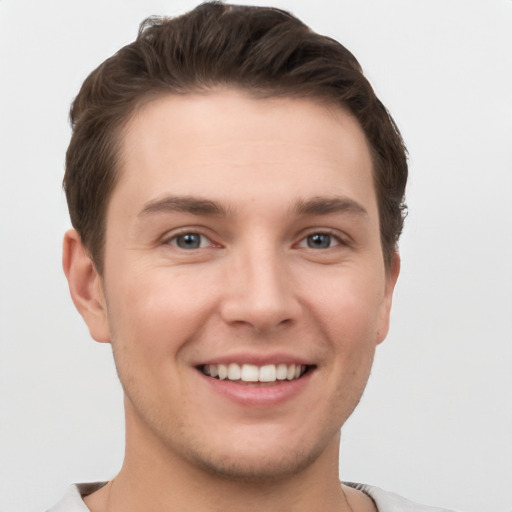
268	395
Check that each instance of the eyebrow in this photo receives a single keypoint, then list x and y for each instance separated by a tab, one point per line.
184	204
315	206
328	205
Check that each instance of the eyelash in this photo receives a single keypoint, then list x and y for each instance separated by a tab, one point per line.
303	243
174	240
332	238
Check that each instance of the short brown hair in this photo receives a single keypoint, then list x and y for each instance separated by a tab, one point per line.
264	51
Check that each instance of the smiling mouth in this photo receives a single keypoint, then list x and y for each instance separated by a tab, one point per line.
267	373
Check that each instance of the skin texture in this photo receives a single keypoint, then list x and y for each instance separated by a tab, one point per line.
277	171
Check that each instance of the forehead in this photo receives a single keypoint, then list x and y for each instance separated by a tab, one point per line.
227	144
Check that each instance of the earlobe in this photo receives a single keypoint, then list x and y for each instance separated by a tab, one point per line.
85	286
392	274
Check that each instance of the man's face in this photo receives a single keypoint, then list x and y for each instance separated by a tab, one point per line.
243	237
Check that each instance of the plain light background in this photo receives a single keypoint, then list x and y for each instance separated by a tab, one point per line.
435	423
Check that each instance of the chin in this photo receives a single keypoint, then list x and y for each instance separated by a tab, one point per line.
256	468
259	457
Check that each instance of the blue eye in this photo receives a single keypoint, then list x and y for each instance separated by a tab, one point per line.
189	241
320	241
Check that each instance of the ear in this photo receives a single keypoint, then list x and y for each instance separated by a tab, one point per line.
85	286
391	278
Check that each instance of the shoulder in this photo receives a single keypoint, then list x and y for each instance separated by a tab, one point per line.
72	501
391	502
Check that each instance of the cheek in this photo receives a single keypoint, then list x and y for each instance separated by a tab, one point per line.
149	326
157	310
350	307
350	316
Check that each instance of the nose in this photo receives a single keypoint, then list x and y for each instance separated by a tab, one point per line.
260	291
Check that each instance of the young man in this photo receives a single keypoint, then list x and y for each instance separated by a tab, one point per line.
236	191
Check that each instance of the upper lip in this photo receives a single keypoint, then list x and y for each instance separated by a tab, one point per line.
256	359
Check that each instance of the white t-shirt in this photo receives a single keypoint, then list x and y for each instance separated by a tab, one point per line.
385	501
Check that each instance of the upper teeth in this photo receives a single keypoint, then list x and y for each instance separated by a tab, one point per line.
253	373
